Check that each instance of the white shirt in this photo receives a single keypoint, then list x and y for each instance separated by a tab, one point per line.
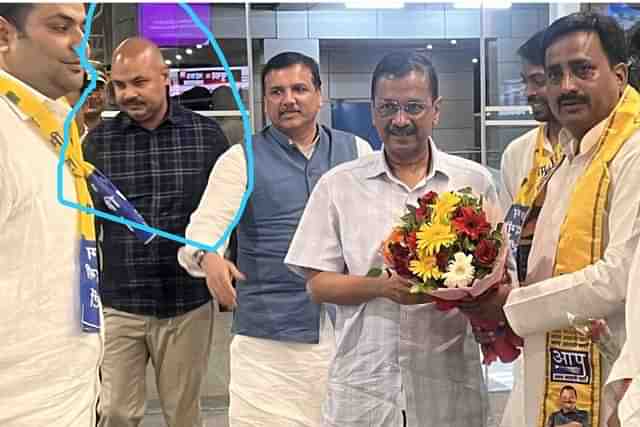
596	291
221	201
48	366
517	161
628	364
515	165
385	352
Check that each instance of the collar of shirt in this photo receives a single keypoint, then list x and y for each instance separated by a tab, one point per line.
175	115
287	142
547	142
381	167
586	144
58	107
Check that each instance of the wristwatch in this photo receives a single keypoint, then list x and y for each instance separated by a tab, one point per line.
198	256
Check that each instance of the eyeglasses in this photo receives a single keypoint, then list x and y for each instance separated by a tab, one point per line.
391	108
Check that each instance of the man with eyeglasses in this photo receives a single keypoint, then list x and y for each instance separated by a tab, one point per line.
587	224
398	359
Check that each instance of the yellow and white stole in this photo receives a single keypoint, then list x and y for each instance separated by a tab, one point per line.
85	175
51	130
570	358
543	163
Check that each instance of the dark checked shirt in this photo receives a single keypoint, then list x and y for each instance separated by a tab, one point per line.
163	173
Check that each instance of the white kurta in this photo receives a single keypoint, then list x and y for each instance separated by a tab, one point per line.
48	366
517	161
628	364
272	382
595	291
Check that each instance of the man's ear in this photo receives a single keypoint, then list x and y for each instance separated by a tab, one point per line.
436	110
622	74
8	32
165	75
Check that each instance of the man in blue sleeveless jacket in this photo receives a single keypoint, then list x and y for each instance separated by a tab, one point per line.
282	343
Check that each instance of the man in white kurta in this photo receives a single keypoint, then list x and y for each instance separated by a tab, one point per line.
518	157
624	379
48	365
281	347
529	157
582	99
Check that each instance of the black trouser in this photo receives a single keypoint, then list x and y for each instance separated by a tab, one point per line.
404	418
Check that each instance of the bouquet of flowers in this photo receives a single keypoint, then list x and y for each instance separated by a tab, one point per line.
446	247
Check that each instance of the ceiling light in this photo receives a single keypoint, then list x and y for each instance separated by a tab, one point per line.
454	41
474	60
167	61
179	57
198	46
429	46
188	51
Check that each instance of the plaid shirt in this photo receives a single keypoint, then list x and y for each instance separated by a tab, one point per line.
163	173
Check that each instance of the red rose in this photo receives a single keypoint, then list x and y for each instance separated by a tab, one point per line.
423	213
412	241
401	258
486	253
428	199
442	260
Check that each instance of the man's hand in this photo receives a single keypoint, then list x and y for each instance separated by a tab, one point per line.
490	305
219	272
397	289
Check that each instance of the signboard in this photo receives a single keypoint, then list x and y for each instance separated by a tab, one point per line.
168	25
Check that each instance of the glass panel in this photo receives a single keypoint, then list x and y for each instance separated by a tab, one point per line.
504	85
497	140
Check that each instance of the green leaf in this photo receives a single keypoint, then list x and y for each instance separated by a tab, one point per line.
374	272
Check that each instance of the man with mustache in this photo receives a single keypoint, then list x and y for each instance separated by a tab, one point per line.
160	156
588	223
397	358
538	147
49	360
525	163
282	342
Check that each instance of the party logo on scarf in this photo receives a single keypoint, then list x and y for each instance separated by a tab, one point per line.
570	366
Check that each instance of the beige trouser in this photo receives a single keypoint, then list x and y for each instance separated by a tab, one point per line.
179	349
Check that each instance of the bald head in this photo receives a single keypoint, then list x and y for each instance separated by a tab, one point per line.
137	49
140	79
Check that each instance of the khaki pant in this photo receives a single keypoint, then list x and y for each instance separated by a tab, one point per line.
179	349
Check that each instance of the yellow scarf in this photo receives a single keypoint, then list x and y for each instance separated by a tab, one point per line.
51	130
543	163
571	359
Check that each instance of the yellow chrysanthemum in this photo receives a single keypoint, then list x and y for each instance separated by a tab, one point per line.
445	206
431	237
425	268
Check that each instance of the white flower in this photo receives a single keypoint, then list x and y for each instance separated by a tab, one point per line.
460	271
